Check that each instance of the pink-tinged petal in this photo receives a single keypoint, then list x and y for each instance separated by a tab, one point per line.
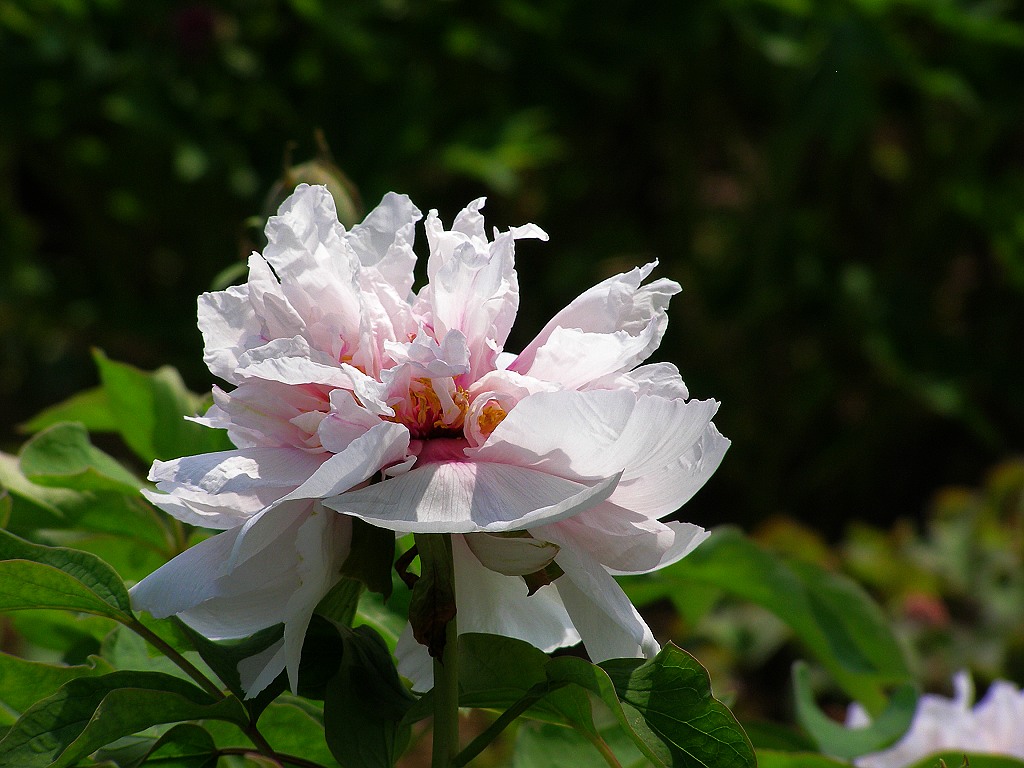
261	413
427	359
607	622
592	434
461	497
223	488
660	491
472	285
622	540
618	304
384	241
292	361
512	556
347	421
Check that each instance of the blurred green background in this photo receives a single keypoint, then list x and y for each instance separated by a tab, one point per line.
839	187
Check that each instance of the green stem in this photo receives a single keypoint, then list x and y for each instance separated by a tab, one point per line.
446	670
165	648
603	748
494	729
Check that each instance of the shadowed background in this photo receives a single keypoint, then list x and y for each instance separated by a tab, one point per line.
838	186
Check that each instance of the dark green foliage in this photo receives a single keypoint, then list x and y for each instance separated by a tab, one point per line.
836	185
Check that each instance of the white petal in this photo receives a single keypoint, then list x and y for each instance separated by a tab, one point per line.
512	556
384	240
619	303
460	497
293	361
222	488
624	541
663	448
500	605
381	446
659	379
257	672
661	491
414	662
607	622
187	580
229	327
575	358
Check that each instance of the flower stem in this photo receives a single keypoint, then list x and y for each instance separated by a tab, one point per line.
167	650
439	573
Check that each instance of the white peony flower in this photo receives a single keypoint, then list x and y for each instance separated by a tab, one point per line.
994	726
355	397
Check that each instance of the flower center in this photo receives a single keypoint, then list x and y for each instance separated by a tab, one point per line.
433	408
490	417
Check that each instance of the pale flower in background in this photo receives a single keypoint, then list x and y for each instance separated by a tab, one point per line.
993	726
355	397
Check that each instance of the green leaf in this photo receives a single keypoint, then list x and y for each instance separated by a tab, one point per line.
36	576
342	601
90	712
836	740
496	672
91	408
365	704
183	746
835	618
23	682
768	758
294	726
545	745
35	506
150	411
665	703
371	557
61	456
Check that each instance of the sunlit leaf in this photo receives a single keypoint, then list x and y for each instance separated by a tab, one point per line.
62	456
150	409
36	576
91	408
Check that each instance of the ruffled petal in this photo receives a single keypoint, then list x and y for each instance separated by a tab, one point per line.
462	497
619	307
384	241
473	285
220	490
